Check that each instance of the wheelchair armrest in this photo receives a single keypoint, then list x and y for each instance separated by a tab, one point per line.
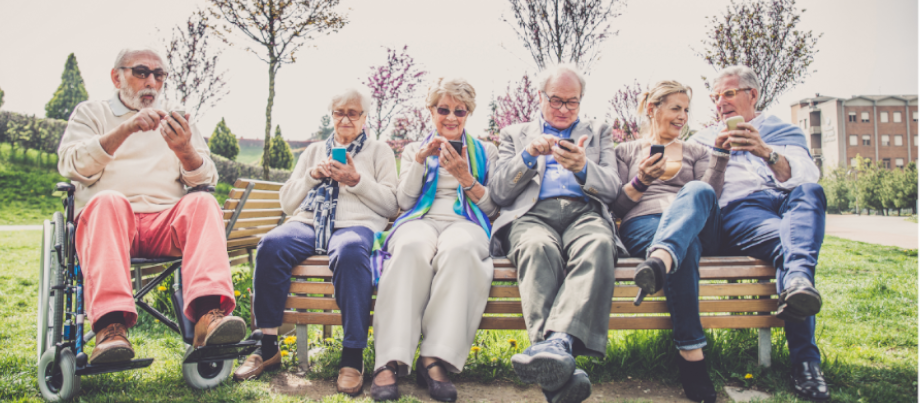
202	188
65	187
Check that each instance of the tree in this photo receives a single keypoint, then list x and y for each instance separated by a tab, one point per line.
902	188
837	189
560	31
1	97
623	113
763	35
279	155
194	79
281	27
518	105
412	124
869	187
223	142
70	93
393	86
324	131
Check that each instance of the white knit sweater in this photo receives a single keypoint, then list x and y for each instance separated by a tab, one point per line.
370	203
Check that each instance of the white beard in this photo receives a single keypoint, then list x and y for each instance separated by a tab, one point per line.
133	100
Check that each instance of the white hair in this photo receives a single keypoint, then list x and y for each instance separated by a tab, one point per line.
747	76
559	70
352	94
128	53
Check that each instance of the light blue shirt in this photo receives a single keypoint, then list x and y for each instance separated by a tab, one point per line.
557	181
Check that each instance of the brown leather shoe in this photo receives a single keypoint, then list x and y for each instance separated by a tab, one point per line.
215	328
112	345
349	381
254	366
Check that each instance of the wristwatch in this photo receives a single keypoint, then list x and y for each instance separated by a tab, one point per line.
773	158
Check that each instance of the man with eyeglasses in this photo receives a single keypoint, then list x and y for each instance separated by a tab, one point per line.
773	209
131	162
555	178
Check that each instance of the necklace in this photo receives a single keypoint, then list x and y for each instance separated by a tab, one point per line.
667	144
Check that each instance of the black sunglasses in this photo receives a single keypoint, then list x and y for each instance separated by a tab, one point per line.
458	112
143	72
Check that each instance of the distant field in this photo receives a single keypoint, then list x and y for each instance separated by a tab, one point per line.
249	154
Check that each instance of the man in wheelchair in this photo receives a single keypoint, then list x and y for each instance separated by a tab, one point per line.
130	159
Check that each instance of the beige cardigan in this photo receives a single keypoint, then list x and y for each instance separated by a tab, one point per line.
370	203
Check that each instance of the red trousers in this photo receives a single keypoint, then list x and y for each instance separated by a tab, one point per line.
109	234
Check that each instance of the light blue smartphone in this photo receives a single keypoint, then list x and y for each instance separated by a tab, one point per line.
339	154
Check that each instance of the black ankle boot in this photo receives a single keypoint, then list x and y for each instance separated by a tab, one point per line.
696	381
650	276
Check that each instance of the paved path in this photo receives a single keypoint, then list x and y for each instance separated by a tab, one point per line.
882	230
20	227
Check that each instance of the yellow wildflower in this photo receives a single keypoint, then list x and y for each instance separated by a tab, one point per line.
284	353
161	288
236	293
371	330
290	340
475	349
329	340
513	343
748	376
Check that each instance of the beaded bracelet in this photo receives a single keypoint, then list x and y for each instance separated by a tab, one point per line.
637	184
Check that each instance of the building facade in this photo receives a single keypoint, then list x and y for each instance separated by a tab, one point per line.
884	128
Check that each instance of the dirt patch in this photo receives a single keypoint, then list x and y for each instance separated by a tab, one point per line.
295	384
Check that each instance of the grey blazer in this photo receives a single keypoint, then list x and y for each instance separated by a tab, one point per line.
515	188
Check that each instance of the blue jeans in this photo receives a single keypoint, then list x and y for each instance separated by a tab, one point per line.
786	229
286	246
687	229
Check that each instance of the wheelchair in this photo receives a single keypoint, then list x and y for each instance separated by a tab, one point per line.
60	320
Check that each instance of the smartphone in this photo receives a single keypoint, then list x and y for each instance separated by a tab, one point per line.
180	112
457	145
339	154
657	149
731	125
566	147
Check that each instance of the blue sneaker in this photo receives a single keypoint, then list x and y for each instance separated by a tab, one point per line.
549	363
577	389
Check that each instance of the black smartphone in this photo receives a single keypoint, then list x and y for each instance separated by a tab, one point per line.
566	147
457	145
657	149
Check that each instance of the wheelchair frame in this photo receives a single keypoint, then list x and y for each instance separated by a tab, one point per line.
61	312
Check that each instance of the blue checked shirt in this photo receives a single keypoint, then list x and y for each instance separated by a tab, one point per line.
557	181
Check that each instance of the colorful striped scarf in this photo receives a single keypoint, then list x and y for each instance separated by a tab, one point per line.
479	167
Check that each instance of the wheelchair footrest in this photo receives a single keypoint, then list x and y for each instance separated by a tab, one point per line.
91	369
220	352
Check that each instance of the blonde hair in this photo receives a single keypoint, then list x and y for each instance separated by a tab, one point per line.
457	88
656	96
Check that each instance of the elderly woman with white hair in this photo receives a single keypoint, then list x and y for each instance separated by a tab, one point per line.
434	265
342	191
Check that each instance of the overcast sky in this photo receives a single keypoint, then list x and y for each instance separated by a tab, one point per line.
867	48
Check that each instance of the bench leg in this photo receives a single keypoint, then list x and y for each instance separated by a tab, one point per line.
303	355
765	347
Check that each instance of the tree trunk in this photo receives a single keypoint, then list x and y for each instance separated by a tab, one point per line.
272	64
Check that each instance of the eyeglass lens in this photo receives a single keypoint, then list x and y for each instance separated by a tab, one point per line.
458	112
353	115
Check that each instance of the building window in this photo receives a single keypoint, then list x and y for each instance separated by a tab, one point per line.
887	163
854	162
885	140
884	117
866	140
898	140
853	140
852	117
915	140
865	117
915	116
899	163
897	117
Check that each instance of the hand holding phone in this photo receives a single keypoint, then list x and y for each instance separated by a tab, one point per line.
657	149
731	125
568	144
457	145
339	154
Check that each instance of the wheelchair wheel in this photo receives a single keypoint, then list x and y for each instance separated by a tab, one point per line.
206	375
58	384
50	309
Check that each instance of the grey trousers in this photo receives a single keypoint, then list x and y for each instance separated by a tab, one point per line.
565	255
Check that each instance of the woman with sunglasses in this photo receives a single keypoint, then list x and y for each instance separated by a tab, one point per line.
433	267
669	216
341	192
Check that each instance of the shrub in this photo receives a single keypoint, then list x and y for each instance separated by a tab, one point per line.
222	142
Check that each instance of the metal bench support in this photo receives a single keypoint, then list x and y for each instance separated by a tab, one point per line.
765	347
303	355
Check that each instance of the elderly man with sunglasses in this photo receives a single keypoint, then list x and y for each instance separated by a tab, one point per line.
555	178
131	162
773	209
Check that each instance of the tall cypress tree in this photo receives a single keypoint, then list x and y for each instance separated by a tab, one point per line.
223	142
1	97
70	93
280	156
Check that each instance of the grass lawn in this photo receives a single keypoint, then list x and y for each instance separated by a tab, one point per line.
867	333
27	185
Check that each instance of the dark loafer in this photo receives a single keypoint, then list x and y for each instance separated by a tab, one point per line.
349	381
381	393
799	301
112	346
254	366
577	389
809	382
650	277
441	391
549	363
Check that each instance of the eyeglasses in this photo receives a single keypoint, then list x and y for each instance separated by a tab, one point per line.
352	115
556	102
142	72
728	94
458	112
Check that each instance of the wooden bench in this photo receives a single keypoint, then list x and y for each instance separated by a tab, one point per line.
735	292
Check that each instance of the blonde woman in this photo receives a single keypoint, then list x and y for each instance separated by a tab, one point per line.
669	216
434	266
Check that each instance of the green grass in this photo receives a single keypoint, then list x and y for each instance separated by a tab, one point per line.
27	184
249	154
